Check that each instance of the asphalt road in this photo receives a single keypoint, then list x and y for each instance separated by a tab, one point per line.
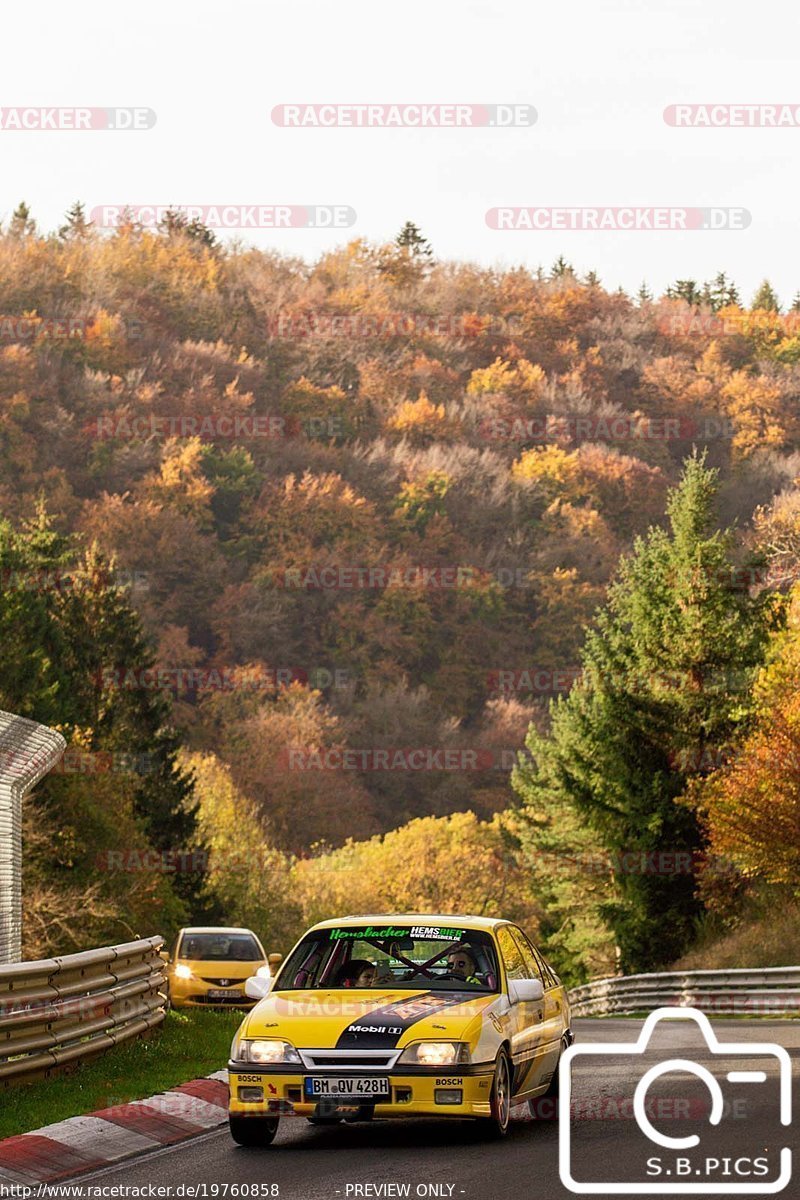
449	1158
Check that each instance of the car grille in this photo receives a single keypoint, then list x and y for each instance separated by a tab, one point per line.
226	982
235	998
370	1060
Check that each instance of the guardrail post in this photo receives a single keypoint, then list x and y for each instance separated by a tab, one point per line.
28	750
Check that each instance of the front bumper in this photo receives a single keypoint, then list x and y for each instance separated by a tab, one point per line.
193	993
413	1092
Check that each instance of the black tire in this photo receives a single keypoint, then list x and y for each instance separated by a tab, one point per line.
496	1126
253	1131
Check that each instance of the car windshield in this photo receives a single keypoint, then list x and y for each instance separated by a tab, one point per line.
424	957
220	947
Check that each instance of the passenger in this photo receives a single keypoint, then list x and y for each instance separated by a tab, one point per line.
358	973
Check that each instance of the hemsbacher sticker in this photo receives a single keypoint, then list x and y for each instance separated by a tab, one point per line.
428	933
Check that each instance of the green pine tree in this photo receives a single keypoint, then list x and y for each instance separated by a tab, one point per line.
407	260
175	224
666	673
22	224
561	268
71	641
720	292
76	226
412	243
685	289
766	298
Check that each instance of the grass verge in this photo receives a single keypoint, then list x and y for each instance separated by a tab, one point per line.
192	1042
768	935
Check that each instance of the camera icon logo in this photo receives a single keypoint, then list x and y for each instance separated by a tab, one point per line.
682	1165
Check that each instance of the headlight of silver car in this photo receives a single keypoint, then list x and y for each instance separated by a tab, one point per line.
436	1054
264	1050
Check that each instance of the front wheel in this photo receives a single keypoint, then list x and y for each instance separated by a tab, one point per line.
496	1126
253	1131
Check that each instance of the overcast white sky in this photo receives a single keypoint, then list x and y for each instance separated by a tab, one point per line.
599	73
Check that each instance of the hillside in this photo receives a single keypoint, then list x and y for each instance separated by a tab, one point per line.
365	510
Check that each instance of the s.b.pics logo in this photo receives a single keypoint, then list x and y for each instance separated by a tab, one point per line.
704	1116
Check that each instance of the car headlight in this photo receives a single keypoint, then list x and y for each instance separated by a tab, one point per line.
436	1054
264	1050
183	972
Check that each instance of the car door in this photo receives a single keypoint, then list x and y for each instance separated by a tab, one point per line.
527	1019
549	1015
557	1009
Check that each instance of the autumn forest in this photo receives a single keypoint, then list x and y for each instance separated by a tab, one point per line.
390	583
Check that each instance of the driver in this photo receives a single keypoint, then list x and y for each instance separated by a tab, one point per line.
461	965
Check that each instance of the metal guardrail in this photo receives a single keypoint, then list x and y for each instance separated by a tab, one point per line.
58	1012
27	752
769	990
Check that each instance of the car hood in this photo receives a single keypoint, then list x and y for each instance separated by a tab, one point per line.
365	1019
205	969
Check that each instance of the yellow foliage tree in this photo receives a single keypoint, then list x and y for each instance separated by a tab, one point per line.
555	471
523	381
754	405
247	874
419	420
454	864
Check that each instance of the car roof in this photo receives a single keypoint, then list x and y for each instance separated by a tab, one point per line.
445	919
216	929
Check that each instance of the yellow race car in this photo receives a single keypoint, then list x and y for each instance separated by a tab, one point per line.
399	1016
208	965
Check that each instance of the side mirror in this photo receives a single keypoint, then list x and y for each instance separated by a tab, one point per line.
274	961
525	991
256	987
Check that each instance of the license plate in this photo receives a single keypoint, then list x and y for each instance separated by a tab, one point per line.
219	994
347	1088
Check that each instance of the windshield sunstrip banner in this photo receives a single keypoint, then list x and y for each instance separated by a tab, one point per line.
423	933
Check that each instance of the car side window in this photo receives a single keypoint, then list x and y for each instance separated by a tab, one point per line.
512	955
550	973
533	968
545	973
